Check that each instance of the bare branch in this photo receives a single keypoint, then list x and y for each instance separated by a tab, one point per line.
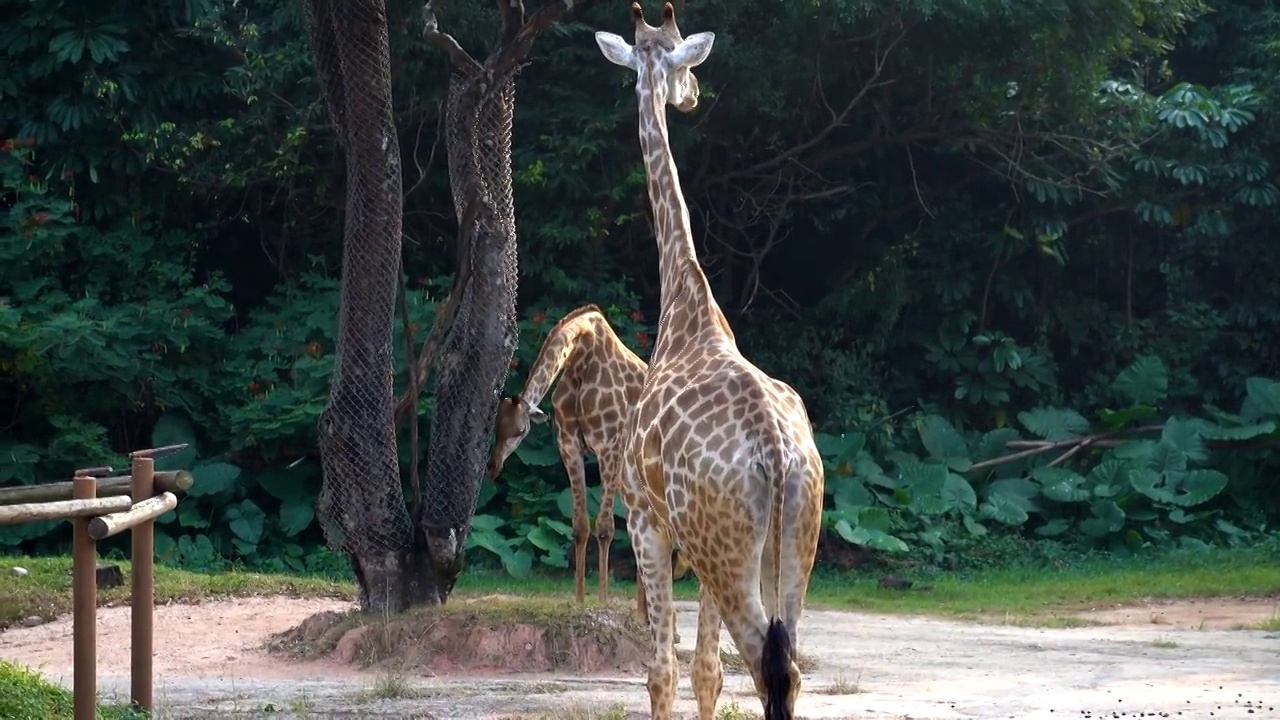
513	53
512	12
838	120
462	61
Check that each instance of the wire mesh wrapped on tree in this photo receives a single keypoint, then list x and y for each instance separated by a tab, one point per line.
476	355
361	504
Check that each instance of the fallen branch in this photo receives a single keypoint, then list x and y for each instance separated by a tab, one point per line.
1073	445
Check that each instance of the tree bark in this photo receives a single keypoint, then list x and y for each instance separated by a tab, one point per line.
362	501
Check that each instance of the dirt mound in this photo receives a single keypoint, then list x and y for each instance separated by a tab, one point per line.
486	635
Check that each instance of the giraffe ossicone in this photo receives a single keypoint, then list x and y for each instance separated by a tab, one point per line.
721	455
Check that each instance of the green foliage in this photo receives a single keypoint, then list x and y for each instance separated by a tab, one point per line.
1106	487
986	223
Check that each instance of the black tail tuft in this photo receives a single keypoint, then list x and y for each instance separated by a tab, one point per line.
775	663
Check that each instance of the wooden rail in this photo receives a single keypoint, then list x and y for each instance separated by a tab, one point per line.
99	508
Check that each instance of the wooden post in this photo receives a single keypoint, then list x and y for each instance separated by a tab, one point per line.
142	604
84	588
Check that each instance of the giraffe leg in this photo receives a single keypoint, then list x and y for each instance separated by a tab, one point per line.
708	677
653	556
571	455
605	521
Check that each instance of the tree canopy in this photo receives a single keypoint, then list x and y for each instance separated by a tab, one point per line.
952	225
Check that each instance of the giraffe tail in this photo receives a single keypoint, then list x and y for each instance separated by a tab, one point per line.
776	658
776	664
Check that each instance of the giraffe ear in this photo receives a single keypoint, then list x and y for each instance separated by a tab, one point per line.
537	415
692	51
616	50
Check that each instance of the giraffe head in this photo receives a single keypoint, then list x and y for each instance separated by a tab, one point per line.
515	417
663	61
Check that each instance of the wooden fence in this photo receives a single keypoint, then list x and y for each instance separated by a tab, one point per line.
99	508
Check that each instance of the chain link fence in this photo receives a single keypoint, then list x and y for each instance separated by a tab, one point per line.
361	505
476	354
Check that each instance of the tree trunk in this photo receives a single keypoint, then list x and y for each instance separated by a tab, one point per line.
361	503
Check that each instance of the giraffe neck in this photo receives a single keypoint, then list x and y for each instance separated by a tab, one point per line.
566	340
686	298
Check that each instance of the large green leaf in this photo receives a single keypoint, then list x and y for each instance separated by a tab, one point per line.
921	479
993	442
1151	483
538	453
545	537
849	492
1019	490
875	518
868	537
865	467
1240	432
174	428
1263	394
1145	382
1107	518
1053	528
1199	486
959	494
518	564
1054	423
246	521
1116	419
287	484
944	443
296	516
838	450
1004	509
1061	484
212	479
1185	435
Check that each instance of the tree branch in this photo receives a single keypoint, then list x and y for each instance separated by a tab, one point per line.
446	313
462	60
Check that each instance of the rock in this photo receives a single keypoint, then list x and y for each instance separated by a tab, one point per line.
32	621
19	571
109	576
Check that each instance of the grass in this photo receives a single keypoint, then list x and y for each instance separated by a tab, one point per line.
840	686
24	695
1018	595
46	590
1271	624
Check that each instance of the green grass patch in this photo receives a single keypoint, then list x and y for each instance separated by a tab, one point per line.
1044	596
1271	624
46	590
1028	595
25	695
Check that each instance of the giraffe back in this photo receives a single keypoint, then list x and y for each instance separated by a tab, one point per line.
601	381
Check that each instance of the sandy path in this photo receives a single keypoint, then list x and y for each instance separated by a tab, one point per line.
208	665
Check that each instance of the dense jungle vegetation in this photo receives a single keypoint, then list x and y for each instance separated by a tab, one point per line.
1018	257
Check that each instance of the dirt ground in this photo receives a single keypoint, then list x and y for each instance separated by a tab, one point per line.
1178	658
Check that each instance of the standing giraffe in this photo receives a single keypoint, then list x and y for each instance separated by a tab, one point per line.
722	453
599	379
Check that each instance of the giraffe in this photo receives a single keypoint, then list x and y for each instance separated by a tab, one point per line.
599	378
721	455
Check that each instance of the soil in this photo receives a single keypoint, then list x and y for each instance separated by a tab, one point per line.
239	658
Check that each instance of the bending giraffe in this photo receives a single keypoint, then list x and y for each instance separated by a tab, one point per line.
721	455
599	378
